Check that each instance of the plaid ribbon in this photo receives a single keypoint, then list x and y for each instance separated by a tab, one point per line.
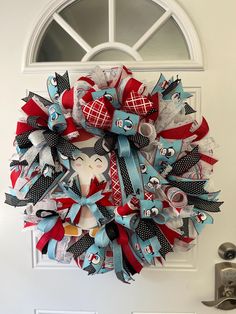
116	189
137	104
99	113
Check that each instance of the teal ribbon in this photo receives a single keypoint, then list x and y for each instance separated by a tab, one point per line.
90	202
123	146
118	263
47	224
52	245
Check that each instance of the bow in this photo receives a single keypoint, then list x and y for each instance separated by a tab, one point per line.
100	113
52	228
96	201
43	135
110	141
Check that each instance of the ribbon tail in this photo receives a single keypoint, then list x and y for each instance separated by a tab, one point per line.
74	210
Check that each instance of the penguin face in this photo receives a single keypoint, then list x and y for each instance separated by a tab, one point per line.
52	88
176	97
54	115
167	152
143	168
151	212
125	124
108	96
154	183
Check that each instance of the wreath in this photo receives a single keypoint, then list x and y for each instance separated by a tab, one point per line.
112	173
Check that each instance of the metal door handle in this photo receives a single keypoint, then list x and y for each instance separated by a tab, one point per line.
226	303
225	287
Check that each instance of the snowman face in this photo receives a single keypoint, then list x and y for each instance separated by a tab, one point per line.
148	250
94	258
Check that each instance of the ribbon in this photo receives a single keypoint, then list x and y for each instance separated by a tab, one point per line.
123	143
100	113
200	219
210	206
185	163
195	187
94	259
57	84
80	246
176	197
52	228
96	200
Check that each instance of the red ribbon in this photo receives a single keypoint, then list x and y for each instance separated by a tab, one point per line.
171	235
56	233
184	131
123	240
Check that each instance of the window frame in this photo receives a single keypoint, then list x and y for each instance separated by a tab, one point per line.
172	8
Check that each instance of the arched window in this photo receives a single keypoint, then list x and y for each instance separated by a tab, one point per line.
142	33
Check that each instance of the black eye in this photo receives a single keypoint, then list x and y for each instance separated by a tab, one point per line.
108	97
154	180
143	168
80	158
98	159
176	96
154	210
171	152
54	81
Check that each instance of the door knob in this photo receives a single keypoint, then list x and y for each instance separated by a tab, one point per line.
227	251
225	287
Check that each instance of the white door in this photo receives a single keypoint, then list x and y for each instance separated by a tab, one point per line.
32	284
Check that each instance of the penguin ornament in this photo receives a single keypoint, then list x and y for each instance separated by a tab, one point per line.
125	124
87	166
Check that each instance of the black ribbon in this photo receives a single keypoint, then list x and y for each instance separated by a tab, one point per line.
14	201
112	230
188	109
23	140
185	227
125	176
210	206
148	229
108	142
171	87
63	82
185	163
18	163
190	187
144	230
43	185
106	214
53	139
90	269
81	245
